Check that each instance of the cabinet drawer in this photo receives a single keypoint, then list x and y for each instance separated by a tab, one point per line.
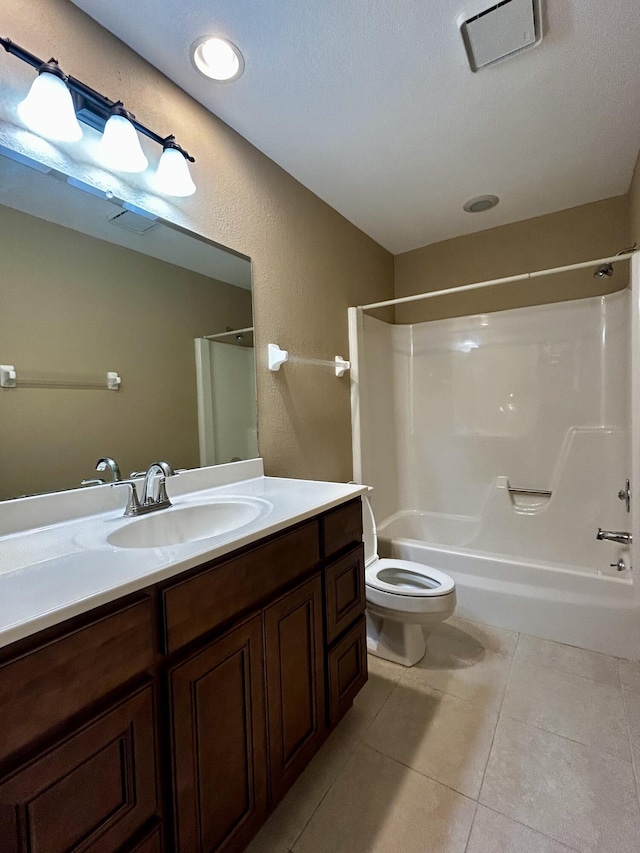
198	604
90	792
342	527
344	592
46	686
347	670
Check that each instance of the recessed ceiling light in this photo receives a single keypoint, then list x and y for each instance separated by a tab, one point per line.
481	203
217	58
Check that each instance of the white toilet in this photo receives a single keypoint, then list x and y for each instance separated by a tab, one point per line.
404	599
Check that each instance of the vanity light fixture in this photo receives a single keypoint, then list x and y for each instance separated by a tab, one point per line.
56	102
48	108
217	58
173	176
119	146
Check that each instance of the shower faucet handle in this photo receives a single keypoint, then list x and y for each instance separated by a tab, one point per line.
625	495
620	565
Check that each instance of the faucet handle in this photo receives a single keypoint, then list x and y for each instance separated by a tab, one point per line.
133	504
163	497
625	495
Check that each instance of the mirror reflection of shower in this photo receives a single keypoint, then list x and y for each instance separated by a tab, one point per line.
226	379
239	337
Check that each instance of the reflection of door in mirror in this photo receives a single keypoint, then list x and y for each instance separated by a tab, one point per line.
90	286
227	415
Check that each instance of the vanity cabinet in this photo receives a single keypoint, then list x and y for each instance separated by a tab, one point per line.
176	719
218	742
91	791
295	670
73	667
345	602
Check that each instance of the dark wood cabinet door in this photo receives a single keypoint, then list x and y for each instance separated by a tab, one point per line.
345	592
90	792
151	843
295	682
347	663
219	742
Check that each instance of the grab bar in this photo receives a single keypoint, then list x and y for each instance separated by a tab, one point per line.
542	492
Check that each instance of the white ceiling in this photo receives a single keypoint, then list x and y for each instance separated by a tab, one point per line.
371	103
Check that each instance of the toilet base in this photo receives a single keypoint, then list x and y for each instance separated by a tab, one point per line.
400	642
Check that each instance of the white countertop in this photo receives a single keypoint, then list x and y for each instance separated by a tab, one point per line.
55	561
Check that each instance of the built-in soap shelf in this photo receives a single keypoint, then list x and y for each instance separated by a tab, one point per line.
9	378
277	357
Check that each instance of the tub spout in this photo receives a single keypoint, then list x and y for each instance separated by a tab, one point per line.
615	536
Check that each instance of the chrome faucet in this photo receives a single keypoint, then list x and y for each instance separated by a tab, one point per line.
615	536
108	463
152	498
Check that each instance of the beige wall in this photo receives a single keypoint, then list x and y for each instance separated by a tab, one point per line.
75	305
581	233
309	263
634	198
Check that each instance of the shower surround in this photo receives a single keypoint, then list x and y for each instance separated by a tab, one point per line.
496	445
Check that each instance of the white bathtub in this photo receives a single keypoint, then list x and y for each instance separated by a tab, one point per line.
555	601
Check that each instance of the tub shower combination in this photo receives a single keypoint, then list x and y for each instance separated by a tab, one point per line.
507	448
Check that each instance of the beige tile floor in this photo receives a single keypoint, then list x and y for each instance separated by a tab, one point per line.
494	743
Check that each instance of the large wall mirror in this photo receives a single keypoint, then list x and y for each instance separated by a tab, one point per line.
90	287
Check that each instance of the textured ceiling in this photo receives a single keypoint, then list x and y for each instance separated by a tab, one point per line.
371	103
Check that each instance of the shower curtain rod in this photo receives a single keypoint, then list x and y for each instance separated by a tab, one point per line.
228	334
512	278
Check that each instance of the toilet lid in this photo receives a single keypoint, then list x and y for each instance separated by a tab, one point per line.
403	577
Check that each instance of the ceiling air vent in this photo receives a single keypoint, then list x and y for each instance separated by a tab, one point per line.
501	30
131	221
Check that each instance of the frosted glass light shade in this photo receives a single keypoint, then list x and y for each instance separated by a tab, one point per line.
173	176
119	148
48	109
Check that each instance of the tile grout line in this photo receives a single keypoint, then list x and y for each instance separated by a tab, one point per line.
420	773
634	764
566	737
358	742
473	820
526	826
499	715
570	739
476	705
520	634
329	787
572	672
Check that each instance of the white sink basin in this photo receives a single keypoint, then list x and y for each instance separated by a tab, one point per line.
180	525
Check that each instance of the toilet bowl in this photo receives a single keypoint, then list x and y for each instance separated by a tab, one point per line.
404	600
